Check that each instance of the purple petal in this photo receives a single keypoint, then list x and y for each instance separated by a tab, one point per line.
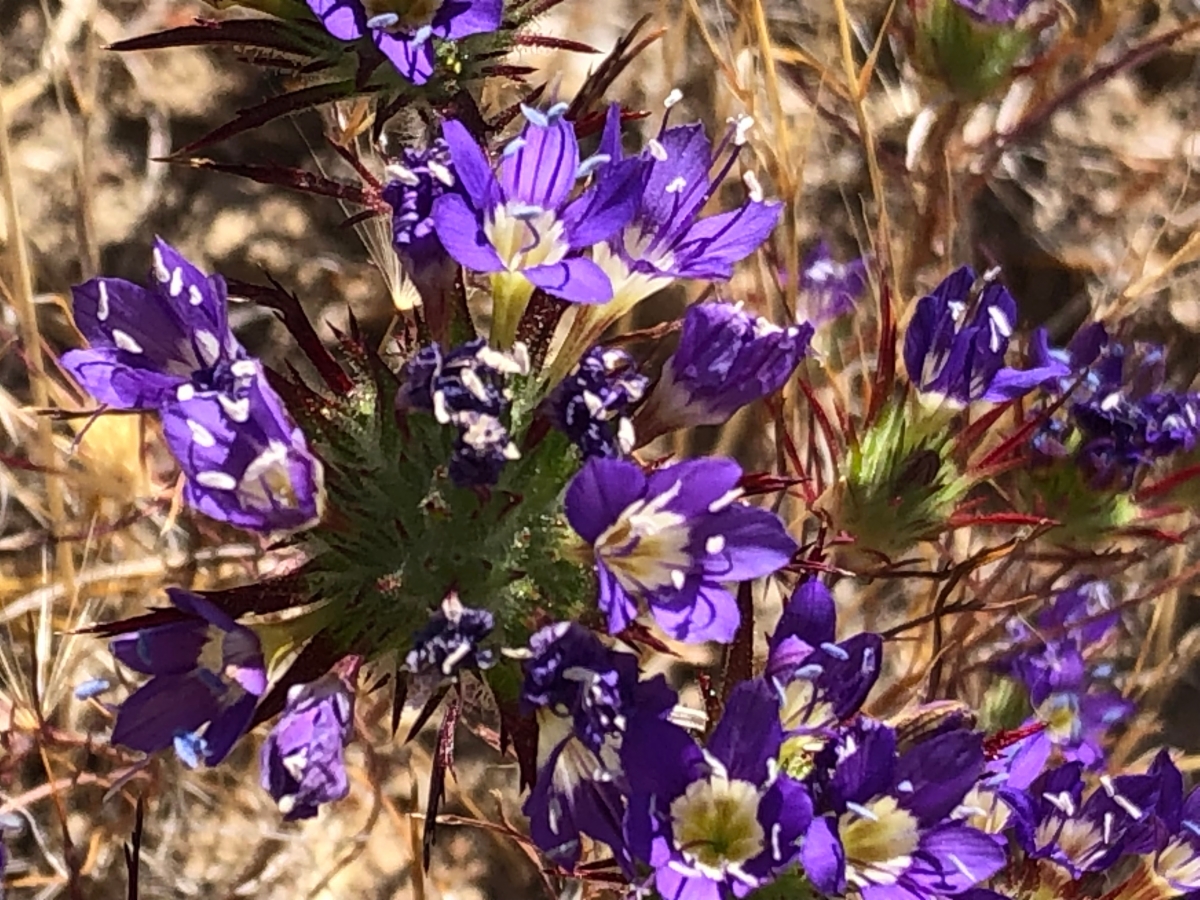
748	734
713	245
605	208
810	614
111	312
171	649
541	172
941	770
599	493
610	138
688	156
700	484
119	379
618	607
461	232
256	473
576	279
227	726
1009	384
701	611
955	857
200	302
867	771
163	707
344	19
470	165
461	18
823	858
413	59
201	608
754	543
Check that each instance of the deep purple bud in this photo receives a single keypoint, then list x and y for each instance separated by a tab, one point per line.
302	759
450	642
591	405
466	387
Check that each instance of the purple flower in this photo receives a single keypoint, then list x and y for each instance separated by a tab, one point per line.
726	359
830	288
667	237
717	821
996	12
450	642
1051	820
1050	663
246	463
1177	860
207	673
955	344
302	760
671	539
466	387
591	405
587	698
883	821
403	32
520	223
169	348
823	682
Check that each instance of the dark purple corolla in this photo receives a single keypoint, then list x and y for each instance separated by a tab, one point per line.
524	223
591	405
302	760
466	387
1175	862
822	681
671	540
883	825
666	237
830	289
169	348
207	673
1129	420
717	821
404	32
726	359
955	344
1051	821
587	698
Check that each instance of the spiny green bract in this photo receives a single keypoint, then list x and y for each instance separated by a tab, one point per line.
398	534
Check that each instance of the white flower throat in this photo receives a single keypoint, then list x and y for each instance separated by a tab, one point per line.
646	547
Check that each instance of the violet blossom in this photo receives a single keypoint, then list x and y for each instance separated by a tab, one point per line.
955	344
302	760
719	820
169	348
207	674
726	359
521	224
404	32
671	540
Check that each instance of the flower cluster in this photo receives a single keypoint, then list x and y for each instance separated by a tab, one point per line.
501	502
169	349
